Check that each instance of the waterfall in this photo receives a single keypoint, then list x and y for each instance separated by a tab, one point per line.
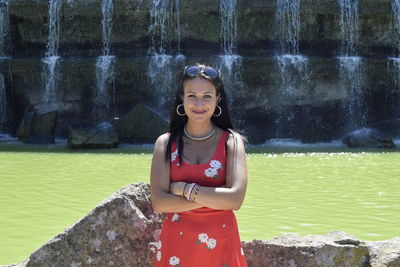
105	65
288	26
229	62
3	105
293	68
4	24
105	69
393	66
393	93
396	20
348	22
164	52
227	11
350	65
51	59
350	73
4	5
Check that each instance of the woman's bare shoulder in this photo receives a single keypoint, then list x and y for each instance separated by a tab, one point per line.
235	140
162	141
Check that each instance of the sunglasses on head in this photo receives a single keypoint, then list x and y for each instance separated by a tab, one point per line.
194	70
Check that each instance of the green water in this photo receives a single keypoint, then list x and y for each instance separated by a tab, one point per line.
43	193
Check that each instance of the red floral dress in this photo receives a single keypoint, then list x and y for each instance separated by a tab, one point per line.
201	237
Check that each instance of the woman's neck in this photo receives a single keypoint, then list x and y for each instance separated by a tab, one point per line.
199	130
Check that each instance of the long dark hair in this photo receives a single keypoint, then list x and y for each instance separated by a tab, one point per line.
177	122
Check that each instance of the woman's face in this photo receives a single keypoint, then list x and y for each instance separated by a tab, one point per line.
199	99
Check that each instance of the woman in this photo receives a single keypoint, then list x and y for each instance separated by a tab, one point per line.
198	176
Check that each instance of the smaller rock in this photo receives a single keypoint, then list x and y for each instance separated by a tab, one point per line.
38	126
102	135
385	253
367	137
333	249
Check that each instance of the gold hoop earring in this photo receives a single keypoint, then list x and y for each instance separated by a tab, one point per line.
177	111
220	112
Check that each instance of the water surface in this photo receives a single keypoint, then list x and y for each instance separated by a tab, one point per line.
42	193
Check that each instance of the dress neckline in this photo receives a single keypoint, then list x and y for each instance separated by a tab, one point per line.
214	154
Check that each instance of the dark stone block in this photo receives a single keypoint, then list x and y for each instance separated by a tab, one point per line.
38	127
141	124
368	138
102	135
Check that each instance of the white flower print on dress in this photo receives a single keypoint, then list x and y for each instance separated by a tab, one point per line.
158	244
213	171
203	237
174	155
210	172
159	255
174	261
175	218
211	243
215	164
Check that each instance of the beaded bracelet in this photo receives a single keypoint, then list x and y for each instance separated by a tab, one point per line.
184	188
192	185
195	193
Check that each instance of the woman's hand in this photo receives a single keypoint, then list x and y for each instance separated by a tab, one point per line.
176	188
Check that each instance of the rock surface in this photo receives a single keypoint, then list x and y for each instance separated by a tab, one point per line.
385	253
141	124
102	135
122	230
38	126
367	137
116	233
330	250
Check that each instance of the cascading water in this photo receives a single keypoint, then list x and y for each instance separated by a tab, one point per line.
3	105
51	59
288	26
350	65
4	5
292	67
105	65
229	61
164	28
4	21
393	66
396	22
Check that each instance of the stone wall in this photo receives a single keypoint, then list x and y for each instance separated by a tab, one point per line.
255	101
81	33
121	231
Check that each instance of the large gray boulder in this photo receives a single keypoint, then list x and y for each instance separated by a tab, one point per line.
116	233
